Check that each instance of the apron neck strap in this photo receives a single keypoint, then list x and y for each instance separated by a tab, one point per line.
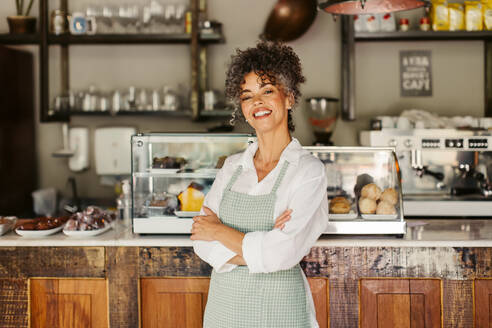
234	177
280	177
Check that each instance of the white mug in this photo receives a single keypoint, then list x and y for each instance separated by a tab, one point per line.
403	123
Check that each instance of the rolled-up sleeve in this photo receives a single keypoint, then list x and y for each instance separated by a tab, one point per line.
214	252
270	251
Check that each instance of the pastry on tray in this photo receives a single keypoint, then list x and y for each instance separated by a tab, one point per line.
340	205
389	195
367	206
93	218
191	199
44	223
385	208
371	191
168	162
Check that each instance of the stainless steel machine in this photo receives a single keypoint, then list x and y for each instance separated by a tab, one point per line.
445	172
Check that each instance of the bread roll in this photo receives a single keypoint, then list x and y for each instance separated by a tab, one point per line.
371	191
339	205
390	196
367	206
385	208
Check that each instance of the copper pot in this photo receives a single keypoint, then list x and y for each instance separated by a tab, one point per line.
290	19
22	24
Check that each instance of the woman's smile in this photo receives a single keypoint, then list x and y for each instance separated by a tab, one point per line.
261	113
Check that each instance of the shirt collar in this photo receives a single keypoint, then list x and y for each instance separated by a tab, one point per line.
291	154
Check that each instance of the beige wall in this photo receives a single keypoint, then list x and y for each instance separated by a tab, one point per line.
457	68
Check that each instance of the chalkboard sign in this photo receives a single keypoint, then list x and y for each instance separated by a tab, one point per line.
415	73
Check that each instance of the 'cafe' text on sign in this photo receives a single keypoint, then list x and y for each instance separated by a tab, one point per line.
415	73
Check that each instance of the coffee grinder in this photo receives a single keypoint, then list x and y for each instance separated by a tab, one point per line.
322	116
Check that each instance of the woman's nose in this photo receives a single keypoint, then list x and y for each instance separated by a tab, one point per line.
257	99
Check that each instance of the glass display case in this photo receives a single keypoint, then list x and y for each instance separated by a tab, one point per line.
172	173
364	190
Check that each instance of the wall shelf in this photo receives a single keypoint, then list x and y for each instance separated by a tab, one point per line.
422	36
67	39
196	41
216	113
350	38
19	39
56	116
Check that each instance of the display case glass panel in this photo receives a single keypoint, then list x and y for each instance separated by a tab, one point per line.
364	190
172	173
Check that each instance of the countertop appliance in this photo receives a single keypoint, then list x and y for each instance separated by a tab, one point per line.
445	172
322	115
112	150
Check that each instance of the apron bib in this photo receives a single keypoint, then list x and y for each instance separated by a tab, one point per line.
255	300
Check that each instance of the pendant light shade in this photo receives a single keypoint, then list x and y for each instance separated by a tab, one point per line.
358	7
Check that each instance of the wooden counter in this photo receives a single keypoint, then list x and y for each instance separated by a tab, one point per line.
444	284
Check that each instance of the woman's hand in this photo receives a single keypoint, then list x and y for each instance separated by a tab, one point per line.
282	219
205	226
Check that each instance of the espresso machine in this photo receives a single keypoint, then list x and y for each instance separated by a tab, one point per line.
445	172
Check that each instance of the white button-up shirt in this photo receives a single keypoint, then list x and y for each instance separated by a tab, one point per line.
303	190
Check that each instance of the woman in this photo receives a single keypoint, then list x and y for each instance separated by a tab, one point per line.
256	279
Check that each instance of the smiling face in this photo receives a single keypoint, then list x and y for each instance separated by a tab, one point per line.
264	105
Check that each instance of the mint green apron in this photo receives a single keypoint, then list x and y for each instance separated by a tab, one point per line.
255	300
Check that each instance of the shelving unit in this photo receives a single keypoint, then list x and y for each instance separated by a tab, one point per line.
62	116
43	39
350	37
132	39
422	36
14	39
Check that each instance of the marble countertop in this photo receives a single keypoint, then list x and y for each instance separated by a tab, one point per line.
420	233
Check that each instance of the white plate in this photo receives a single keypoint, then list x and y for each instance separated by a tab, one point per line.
7	226
38	233
349	216
186	214
379	217
87	233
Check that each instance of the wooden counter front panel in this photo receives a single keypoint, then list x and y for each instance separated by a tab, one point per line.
404	303
180	302
173	302
483	303
320	290
68	303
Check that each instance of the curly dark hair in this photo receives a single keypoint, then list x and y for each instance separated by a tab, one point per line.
272	61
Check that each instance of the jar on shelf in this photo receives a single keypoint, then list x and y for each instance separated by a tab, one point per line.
404	24
425	24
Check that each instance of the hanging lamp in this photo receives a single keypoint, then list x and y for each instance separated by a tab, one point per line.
358	7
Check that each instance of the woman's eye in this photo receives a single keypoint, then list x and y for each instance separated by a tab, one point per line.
244	98
268	91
